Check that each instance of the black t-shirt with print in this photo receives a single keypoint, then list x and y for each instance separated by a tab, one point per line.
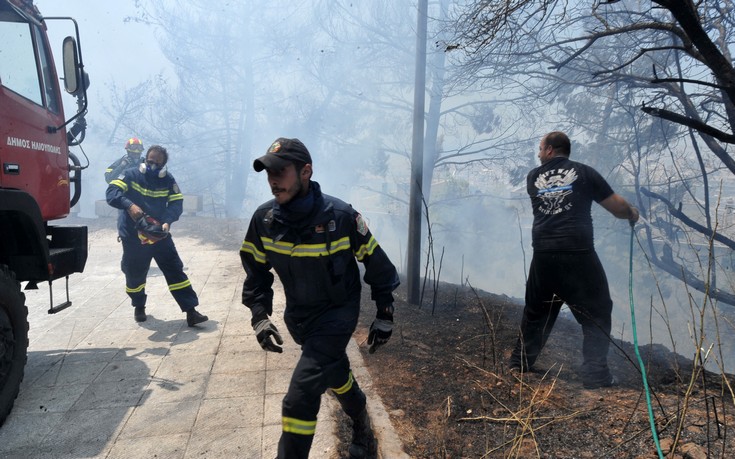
561	194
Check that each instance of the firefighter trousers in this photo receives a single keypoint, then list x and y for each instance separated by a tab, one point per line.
136	262
323	365
577	279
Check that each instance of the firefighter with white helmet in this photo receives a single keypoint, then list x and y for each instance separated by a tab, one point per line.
150	201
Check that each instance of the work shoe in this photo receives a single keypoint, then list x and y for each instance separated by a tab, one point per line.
517	368
598	385
140	314
363	444
193	317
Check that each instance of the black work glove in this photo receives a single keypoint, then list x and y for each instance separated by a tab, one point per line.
381	328
264	330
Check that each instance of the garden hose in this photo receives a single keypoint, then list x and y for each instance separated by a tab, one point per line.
651	419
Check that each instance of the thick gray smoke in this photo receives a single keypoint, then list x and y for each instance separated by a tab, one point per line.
217	81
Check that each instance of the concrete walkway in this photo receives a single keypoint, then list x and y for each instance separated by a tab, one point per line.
100	385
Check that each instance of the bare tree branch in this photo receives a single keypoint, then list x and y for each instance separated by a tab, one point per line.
689	122
681	216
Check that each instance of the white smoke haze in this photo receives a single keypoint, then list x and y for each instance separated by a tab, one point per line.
217	81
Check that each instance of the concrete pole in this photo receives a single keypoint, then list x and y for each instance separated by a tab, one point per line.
417	160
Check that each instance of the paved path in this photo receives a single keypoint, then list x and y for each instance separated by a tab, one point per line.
100	385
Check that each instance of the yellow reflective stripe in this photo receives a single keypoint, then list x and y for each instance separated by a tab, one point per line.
109	169
347	386
175	197
119	184
150	193
298	426
137	289
249	247
366	249
180	285
144	239
305	250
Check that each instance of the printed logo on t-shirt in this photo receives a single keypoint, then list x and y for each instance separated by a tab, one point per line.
553	187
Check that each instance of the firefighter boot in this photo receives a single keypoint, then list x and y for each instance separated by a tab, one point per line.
140	314
194	317
364	445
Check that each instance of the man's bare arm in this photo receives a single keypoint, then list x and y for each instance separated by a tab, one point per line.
619	207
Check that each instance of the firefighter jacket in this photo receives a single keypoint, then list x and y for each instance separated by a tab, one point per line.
159	197
315	257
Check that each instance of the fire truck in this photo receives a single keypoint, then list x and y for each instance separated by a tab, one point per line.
40	180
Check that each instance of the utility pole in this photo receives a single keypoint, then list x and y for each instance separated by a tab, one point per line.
417	158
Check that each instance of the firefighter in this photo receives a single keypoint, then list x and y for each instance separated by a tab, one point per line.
150	201
313	242
132	157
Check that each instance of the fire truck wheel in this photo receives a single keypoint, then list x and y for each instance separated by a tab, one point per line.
13	339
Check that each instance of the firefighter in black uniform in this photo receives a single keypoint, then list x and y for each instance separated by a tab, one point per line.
312	241
133	151
148	197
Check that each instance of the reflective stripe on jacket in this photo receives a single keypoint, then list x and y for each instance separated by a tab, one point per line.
315	259
158	197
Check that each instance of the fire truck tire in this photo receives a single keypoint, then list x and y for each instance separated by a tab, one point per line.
13	339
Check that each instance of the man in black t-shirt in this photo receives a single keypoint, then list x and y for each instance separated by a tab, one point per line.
565	267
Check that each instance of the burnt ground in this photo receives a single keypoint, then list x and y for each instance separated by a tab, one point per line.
445	383
444	380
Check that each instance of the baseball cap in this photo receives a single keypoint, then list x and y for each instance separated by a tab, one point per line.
281	153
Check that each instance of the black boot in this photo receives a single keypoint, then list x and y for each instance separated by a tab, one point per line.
140	314
193	317
364	445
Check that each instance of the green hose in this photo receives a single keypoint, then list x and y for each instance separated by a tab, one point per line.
651	419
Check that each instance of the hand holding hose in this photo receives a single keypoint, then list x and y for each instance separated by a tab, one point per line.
634	215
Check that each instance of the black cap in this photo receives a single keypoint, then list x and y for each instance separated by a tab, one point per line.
281	153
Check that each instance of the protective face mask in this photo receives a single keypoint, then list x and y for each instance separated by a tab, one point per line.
154	171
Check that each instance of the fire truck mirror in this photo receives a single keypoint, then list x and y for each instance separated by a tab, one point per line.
72	71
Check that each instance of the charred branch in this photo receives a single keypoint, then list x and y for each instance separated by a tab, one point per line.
677	213
656	79
687	80
689	122
685	13
641	53
592	38
668	264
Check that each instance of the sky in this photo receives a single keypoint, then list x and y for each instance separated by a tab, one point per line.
112	48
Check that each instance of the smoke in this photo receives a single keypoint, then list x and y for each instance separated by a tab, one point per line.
339	76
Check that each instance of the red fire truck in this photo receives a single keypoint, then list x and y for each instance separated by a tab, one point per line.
40	178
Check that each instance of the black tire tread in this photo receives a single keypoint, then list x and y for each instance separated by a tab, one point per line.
12	300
